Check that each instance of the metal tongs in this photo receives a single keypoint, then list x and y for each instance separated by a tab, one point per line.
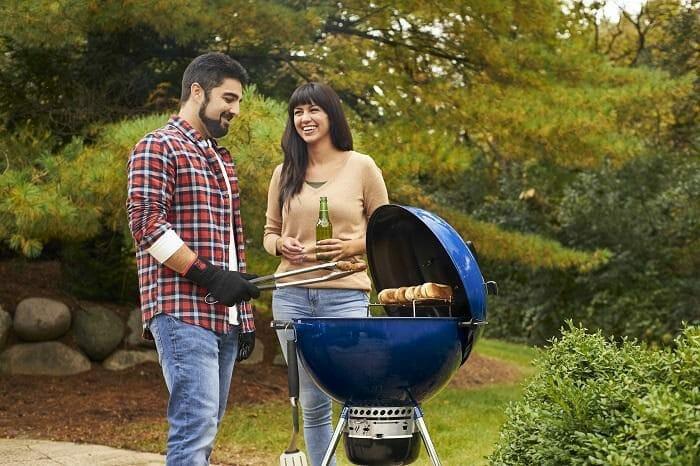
334	275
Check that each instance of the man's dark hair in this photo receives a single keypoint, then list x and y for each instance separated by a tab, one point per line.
209	71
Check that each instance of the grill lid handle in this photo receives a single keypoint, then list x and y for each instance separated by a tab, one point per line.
492	288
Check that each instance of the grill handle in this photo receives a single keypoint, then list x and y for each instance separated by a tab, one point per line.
292	370
287	325
472	323
471	328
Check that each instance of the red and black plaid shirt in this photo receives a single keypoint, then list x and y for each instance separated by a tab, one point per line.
176	182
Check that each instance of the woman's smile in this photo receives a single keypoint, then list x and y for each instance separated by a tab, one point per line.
311	122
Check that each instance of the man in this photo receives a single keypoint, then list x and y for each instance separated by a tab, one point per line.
184	214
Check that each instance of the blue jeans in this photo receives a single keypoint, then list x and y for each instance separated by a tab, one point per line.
296	302
197	366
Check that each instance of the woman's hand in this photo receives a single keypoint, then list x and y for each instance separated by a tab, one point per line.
291	249
336	249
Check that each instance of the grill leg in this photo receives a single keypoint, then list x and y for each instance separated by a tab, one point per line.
423	429
336	436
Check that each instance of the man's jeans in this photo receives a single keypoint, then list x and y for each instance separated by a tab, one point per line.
296	302
197	366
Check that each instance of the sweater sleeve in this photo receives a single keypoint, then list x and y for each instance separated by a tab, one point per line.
273	215
375	192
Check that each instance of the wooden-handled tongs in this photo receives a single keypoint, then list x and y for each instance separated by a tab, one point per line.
339	269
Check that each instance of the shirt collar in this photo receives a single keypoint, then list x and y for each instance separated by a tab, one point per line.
192	134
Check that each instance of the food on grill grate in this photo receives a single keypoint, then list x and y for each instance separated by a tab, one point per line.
351	266
408	294
436	291
387	296
412	293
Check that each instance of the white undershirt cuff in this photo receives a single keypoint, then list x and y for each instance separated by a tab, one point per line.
165	246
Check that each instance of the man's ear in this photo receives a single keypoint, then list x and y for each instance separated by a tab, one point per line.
197	93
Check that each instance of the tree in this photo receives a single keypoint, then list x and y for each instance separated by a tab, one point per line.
486	112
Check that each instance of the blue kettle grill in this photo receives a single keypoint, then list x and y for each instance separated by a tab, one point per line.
382	368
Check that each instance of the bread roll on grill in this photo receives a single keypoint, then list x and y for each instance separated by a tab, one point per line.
401	295
407	294
387	296
412	293
436	291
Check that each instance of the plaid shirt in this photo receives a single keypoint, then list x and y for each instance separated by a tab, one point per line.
176	182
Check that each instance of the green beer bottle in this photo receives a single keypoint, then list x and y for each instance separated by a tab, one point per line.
324	228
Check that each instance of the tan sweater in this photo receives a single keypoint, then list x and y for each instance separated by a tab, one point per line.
353	193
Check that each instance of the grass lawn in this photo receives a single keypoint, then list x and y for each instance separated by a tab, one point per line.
519	355
463	423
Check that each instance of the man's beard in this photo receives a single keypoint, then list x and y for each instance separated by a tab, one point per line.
213	127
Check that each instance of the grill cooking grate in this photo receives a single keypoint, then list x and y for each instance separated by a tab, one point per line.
417	305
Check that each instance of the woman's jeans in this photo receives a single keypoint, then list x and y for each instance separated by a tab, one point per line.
296	302
197	366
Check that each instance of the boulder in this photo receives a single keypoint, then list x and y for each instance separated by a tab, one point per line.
124	359
41	319
135	327
97	330
257	356
45	358
5	326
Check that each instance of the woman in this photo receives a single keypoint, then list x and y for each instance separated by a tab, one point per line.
319	161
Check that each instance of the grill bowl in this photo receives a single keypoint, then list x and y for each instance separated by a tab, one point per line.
387	361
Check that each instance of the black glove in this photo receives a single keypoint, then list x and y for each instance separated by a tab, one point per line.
246	345
226	286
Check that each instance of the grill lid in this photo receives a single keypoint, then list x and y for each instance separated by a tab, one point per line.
408	246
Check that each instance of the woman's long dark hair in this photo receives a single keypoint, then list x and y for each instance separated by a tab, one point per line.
296	155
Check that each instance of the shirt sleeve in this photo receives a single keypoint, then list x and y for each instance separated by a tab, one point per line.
273	215
375	192
151	183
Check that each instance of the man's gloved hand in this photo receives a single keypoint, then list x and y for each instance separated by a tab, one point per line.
226	286
246	345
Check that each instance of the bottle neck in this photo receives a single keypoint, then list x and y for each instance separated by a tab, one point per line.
323	209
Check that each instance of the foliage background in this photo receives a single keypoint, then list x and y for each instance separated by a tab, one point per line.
564	145
595	402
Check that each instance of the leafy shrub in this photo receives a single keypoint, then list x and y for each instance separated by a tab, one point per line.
595	402
101	268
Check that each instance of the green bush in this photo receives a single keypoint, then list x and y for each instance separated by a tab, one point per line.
101	268
596	402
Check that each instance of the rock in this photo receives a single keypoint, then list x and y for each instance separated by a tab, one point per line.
41	319
135	327
123	359
5	326
279	360
45	358
257	356
97	330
